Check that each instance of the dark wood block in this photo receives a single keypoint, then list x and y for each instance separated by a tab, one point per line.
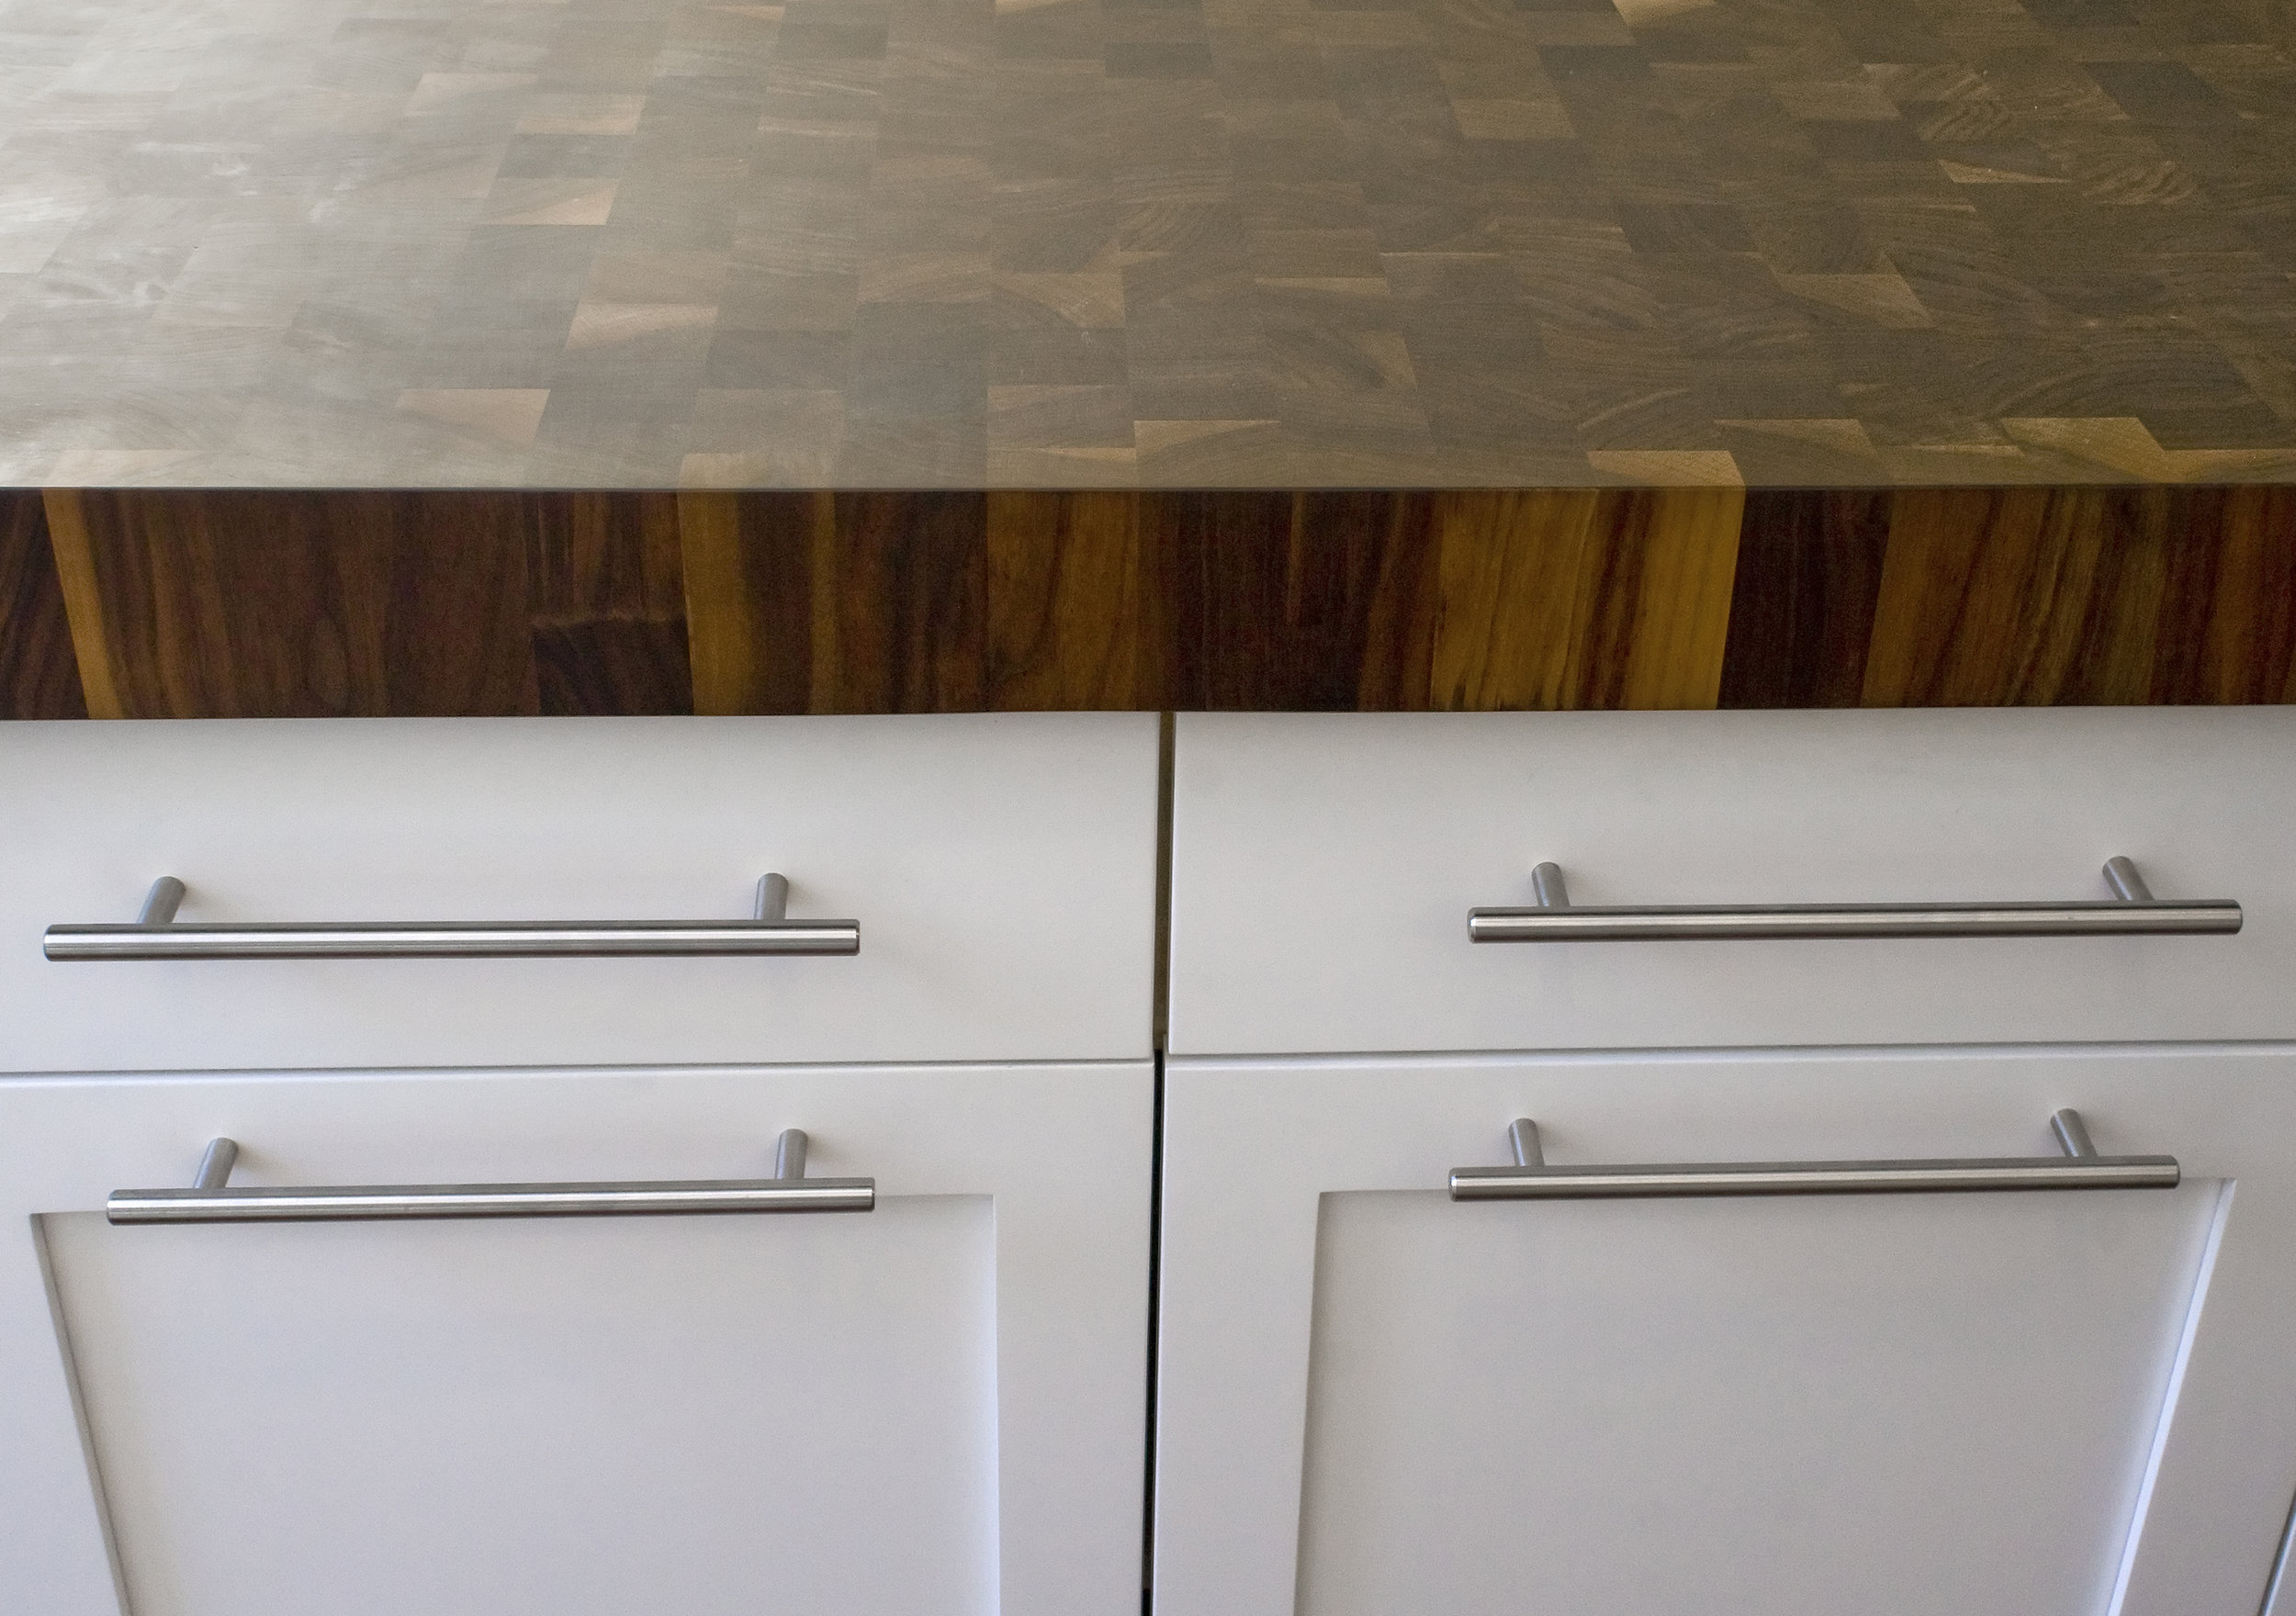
1809	569
234	604
39	676
605	586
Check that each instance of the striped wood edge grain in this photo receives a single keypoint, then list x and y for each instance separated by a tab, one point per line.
1577	598
78	573
1464	600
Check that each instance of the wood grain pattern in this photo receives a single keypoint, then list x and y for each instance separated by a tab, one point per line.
2245	600
1809	570
605	587
748	564
75	561
837	603
249	603
39	678
1299	603
905	585
1076	618
1583	599
1154	245
1207	600
2024	596
1689	543
224	605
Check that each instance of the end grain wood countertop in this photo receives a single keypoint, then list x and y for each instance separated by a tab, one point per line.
1146	244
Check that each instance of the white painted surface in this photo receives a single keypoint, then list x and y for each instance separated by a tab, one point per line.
1373	1399
543	1416
1323	866
1002	867
933	1408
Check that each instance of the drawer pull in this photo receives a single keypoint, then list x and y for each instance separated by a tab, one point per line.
156	935
212	1200
2080	1167
2132	911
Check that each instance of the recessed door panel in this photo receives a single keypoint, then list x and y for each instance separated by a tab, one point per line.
1374	1399
933	1408
1798	1406
559	1418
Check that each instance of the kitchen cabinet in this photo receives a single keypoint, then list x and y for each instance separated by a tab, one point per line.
1925	957
1375	1396
1002	868
1324	865
1917	1403
933	1405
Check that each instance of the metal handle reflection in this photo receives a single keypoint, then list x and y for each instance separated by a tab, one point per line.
2080	1167
212	1200
157	935
2132	910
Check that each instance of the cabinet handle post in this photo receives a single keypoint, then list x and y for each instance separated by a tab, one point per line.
215	1166
2073	1135
160	903
1522	1135
772	897
789	1154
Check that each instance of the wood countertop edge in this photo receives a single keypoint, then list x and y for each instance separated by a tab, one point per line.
236	603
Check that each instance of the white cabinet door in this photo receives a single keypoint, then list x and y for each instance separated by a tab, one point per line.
1375	1400
936	1407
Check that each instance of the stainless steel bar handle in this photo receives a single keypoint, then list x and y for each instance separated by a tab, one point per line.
210	1200
2132	910
157	935
2080	1167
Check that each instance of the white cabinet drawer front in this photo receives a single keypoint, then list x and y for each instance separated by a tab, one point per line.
932	1406
1324	865
1374	1397
1001	869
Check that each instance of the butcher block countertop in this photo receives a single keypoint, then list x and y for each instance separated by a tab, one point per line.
1146	244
